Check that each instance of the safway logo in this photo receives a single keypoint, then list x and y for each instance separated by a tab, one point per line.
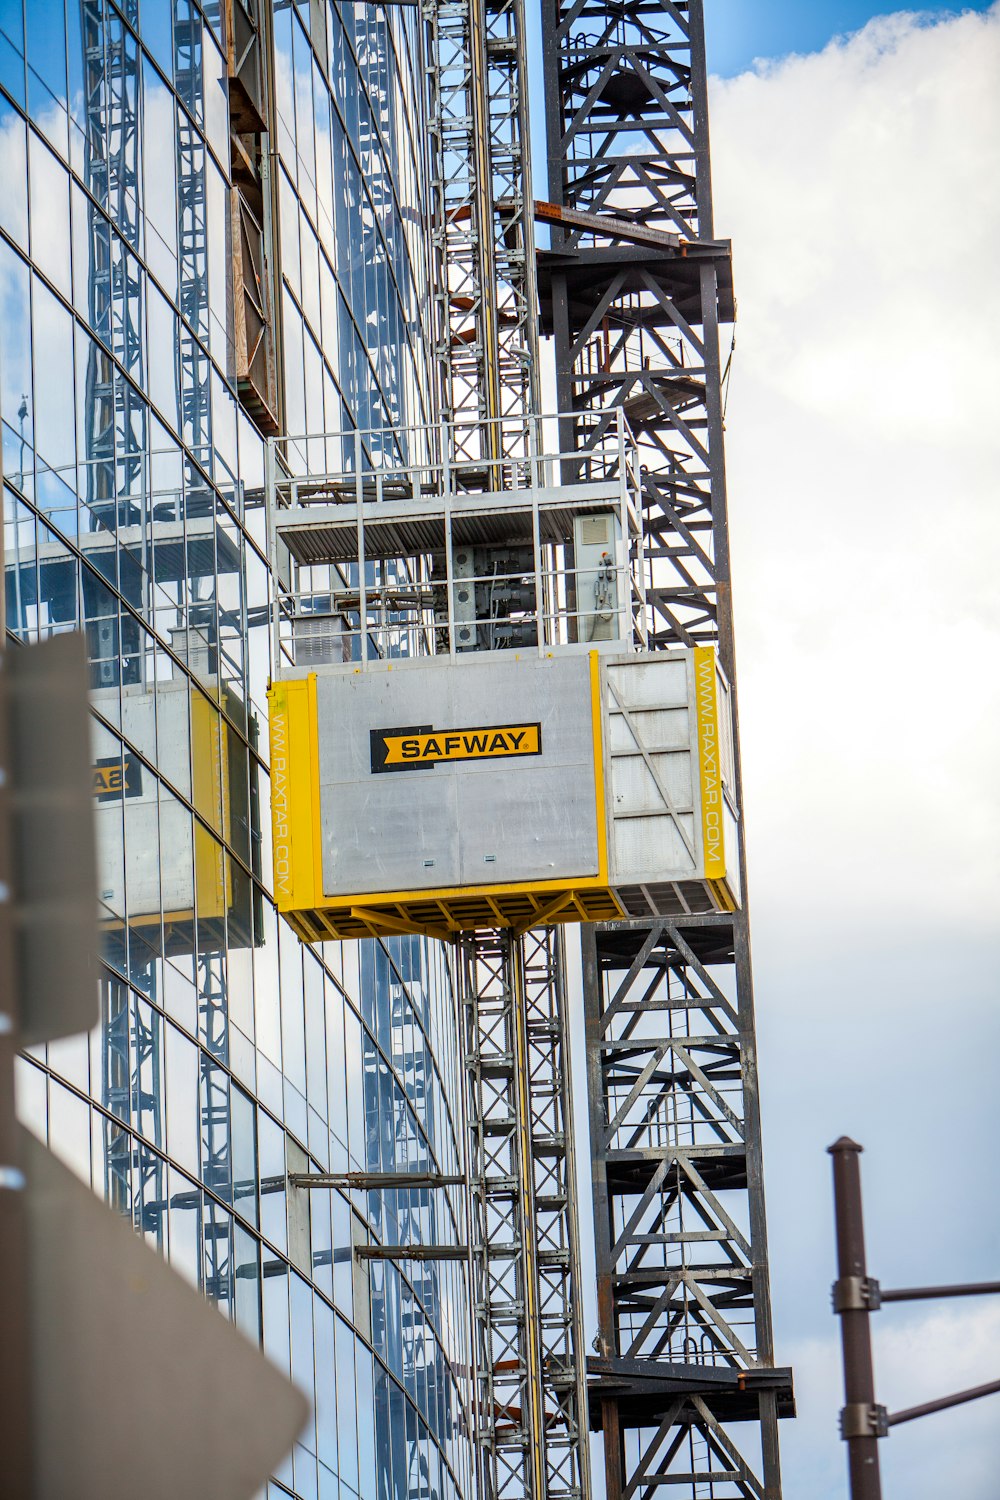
423	745
115	777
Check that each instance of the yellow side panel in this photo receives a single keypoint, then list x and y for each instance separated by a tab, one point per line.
298	883
210	795
600	798
724	900
709	762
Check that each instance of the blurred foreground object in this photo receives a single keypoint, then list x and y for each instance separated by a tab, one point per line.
78	1290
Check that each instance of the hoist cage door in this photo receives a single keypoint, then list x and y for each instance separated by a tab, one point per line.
674	821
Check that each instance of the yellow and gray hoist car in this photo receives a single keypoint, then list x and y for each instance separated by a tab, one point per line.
562	776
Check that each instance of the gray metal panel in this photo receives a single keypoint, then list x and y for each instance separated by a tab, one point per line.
653	839
157	859
535	814
731	846
53	835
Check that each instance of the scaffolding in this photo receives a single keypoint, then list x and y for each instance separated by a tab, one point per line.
125	509
684	1349
523	1238
634	289
529	1387
484	290
115	479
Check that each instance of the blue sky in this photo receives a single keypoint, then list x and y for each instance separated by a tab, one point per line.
738	31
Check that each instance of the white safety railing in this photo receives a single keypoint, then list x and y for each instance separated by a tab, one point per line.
366	553
432	459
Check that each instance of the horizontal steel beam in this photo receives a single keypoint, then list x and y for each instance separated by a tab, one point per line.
943	1403
411	1252
929	1293
621	229
375	1181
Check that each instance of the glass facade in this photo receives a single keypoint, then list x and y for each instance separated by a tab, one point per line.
138	224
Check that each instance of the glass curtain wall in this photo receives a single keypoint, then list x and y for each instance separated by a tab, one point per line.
228	1055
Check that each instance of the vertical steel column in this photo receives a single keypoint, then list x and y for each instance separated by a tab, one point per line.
857	1425
530	1383
191	364
555	1209
684	1319
117	482
112	70
508	1364
524	1244
483	233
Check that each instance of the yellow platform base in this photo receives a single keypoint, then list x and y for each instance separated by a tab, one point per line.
445	914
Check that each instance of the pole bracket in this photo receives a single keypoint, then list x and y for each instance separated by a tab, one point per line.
863	1419
856	1294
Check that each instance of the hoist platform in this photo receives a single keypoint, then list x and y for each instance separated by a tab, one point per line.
502	790
493	748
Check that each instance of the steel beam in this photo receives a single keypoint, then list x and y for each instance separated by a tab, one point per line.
375	1181
634	290
530	1392
529	1366
484	280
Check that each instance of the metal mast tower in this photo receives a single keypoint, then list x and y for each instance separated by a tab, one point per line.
531	1409
542	579
634	291
486	293
530	1398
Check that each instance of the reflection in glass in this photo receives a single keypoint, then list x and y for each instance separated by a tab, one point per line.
243	1126
184	1236
133	509
246	1273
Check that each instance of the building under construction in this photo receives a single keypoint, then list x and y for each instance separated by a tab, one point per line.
415	720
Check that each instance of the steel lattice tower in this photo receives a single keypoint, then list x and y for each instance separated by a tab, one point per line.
634	291
116	476
486	323
530	1400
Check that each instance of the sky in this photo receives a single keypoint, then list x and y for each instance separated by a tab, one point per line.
739	31
858	180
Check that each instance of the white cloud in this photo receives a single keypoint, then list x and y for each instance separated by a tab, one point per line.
859	186
918	1357
870	170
